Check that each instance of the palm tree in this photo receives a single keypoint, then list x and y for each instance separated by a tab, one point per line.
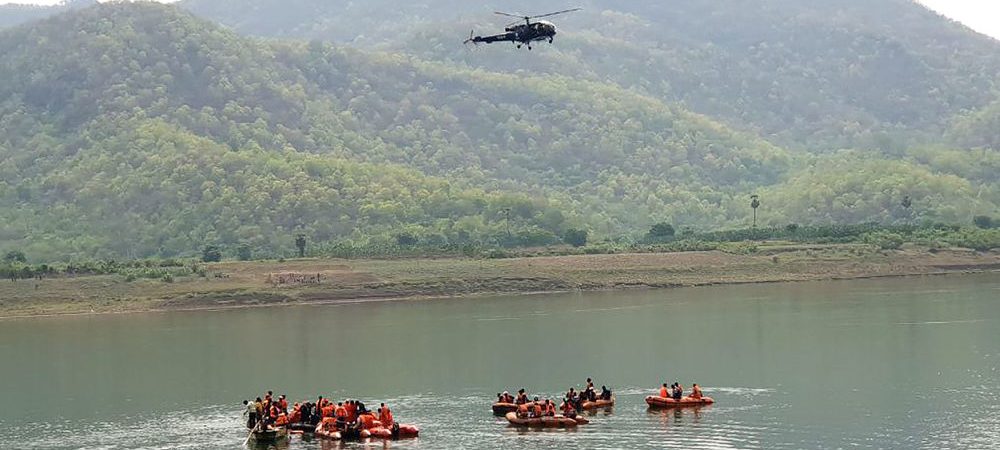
755	203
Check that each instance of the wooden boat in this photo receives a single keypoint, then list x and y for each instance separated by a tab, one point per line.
269	435
662	402
545	422
598	404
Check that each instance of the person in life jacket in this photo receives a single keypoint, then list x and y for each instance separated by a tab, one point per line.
385	416
507	398
605	393
568	409
296	415
366	420
281	420
283	404
663	391
340	413
352	410
273	413
696	392
328	410
522	398
328	424
678	391
536	408
550	408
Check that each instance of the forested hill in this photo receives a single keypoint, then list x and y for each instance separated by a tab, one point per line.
102	107
138	129
817	74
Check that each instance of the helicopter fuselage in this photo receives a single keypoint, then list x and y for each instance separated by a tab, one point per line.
521	34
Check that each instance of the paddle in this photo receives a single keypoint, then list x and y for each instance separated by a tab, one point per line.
255	427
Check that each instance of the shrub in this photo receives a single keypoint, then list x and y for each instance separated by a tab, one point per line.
738	248
984	222
884	240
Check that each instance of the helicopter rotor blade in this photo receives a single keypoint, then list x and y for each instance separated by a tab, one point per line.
556	13
519	16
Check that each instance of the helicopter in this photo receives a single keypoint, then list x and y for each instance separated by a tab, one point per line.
522	34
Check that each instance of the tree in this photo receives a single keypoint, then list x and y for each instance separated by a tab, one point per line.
300	242
984	222
244	252
755	203
211	253
662	230
575	237
14	256
406	239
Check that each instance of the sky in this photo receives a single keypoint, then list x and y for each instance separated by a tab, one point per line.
980	15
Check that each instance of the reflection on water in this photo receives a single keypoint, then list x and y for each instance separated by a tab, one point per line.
877	364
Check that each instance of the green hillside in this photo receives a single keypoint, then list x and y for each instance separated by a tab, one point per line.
137	129
84	87
821	75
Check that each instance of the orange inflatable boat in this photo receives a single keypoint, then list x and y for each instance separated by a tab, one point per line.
545	422
655	401
598	404
403	431
501	409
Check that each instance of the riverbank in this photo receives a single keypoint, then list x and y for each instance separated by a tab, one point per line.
270	283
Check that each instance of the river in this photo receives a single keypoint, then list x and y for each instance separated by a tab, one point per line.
896	363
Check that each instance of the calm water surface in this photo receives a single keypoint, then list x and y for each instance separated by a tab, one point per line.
905	363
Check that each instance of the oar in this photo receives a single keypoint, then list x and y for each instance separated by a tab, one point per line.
255	427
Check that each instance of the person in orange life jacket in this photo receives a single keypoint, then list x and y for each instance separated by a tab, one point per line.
352	411
366	420
568	409
550	408
272	414
696	392
663	391
283	404
536	408
281	420
522	398
340	413
385	416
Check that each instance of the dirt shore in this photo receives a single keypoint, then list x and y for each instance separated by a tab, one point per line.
257	284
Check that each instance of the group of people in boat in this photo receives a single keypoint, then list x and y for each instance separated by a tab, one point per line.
676	391
323	414
350	416
265	413
572	401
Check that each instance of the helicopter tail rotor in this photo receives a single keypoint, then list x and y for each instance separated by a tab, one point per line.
471	39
